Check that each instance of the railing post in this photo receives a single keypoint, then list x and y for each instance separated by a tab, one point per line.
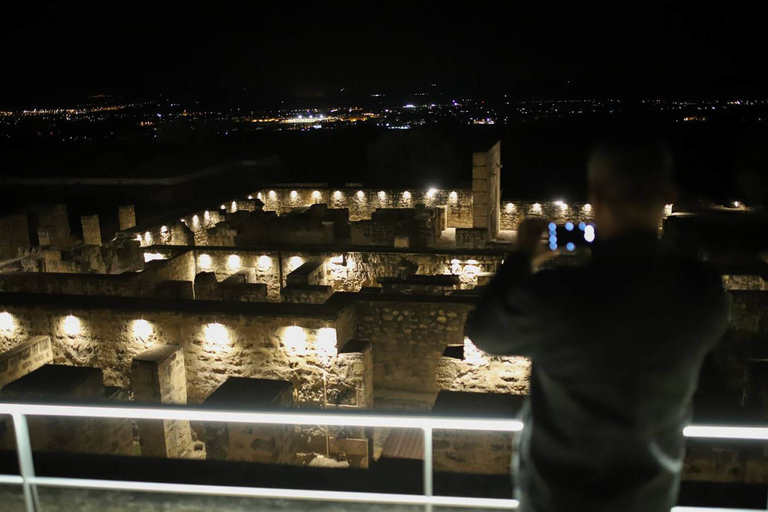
427	467
26	465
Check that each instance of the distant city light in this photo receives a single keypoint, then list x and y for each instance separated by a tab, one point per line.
410	105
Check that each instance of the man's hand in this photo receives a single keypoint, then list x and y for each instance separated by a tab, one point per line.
529	234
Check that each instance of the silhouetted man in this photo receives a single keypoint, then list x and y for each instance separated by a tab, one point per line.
616	343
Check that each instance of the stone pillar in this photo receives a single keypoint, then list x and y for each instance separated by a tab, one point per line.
45	235
25	358
486	189
158	376
91	229
127	216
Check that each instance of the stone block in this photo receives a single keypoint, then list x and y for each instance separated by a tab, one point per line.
25	358
91	229
479	185
127	217
45	235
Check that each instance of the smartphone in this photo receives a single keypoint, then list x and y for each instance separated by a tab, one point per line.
570	235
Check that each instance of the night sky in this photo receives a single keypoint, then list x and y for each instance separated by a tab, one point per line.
248	52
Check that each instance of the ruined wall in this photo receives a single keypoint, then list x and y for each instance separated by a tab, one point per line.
744	282
479	372
484	453
514	212
25	358
14	235
408	341
363	202
296	347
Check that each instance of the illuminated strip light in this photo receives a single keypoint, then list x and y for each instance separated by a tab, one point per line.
713	432
267	418
11	480
263	492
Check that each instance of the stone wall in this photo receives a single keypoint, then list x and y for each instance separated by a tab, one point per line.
25	358
363	202
218	340
744	282
478	372
14	235
514	212
408	341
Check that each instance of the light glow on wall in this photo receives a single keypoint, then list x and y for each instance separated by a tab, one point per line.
196	220
382	195
142	329
295	339
207	215
264	262
163	229
234	262
453	196
148	238
259	196
71	325
234	206
587	207
668	208
510	207
472	354
152	256
536	208
360	195
205	261
406	195
431	193
294	195
272	194
337	195
472	268
250	196
326	340
295	262
7	322
455	267
561	205
316	195
216	334
223	207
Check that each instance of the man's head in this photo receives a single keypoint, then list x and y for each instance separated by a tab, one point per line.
630	181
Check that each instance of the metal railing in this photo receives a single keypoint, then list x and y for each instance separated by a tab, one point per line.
30	481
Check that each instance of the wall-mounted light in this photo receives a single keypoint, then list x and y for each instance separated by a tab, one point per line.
326	340
71	325
316	195
234	206
148	238
216	334
207	215
250	196
382	195
406	195
295	339
259	196
587	207
152	256
536	208
163	229
223	207
561	205
337	195
272	194
142	329
295	262
431	193
510	207
205	261
294	195
233	262
7	322
195	220
360	195
453	196
264	262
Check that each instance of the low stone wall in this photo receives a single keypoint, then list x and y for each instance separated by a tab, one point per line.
25	358
478	372
514	212
362	202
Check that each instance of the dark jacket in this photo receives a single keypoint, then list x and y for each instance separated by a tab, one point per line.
617	345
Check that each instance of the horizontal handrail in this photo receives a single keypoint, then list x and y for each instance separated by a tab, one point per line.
28	479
